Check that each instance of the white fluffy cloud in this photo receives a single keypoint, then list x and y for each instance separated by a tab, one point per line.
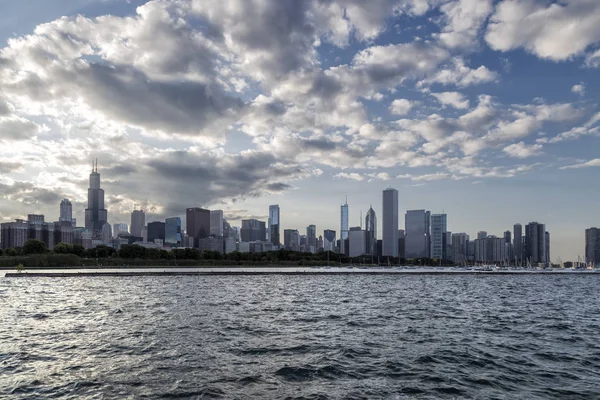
453	99
592	163
400	106
552	30
521	150
578	89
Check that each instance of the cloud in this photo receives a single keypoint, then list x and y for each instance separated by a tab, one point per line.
464	20
578	89
592	163
592	60
588	128
453	99
349	175
400	106
10	166
521	150
460	75
550	30
17	128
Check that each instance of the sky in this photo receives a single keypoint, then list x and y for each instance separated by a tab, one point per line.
485	110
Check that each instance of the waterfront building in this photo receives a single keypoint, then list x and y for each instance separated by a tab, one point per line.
66	211
547	240
508	244
401	244
216	223
14	234
417	228
63	233
74	222
253	230
311	238
343	226
106	233
390	222
83	237
329	240
156	231
535	243
357	242
291	239
518	242
138	222
371	229
95	213
592	247
145	234
274	225
438	232
490	249
197	223
460	247
173	232
211	243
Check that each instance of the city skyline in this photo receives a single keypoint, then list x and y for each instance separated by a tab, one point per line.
494	126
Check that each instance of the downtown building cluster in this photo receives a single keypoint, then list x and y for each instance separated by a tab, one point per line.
425	235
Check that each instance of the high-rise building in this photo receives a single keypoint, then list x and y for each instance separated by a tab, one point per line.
66	211
518	242
439	227
592	247
173	231
490	249
390	222
401	244
547	240
311	238
460	247
274	225
535	243
371	229
328	240
120	228
138	222
156	231
14	234
417	225
481	235
107	233
197	223
343	226
253	230
216	223
291	239
357	239
320	243
95	213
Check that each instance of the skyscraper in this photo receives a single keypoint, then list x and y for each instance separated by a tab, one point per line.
274	225
95	213
328	240
156	231
371	228
66	211
119	228
535	243
216	223
357	239
417	225
253	230
439	227
518	242
197	223
291	239
592	246
390	223
460	247
138	222
311	238
343	226
173	231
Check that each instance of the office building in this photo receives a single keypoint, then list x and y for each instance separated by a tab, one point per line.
329	240
197	224
438	232
138	222
120	228
343	227
592	247
518	243
401	244
460	247
390	222
274	225
14	234
82	237
490	249
216	223
417	225
95	213
535	251
63	232
253	230
357	239
173	232
35	219
66	211
291	238
211	243
481	235
371	229
106	233
156	231
547	239
311	238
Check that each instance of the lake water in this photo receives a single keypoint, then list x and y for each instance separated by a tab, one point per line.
301	337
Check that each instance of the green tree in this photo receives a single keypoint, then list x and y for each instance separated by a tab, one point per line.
63	248
33	247
78	250
10	252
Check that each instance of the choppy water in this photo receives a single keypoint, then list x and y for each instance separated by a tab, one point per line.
301	337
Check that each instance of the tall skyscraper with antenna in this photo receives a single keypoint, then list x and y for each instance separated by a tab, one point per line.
95	213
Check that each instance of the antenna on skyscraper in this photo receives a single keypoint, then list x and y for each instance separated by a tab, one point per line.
360	221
